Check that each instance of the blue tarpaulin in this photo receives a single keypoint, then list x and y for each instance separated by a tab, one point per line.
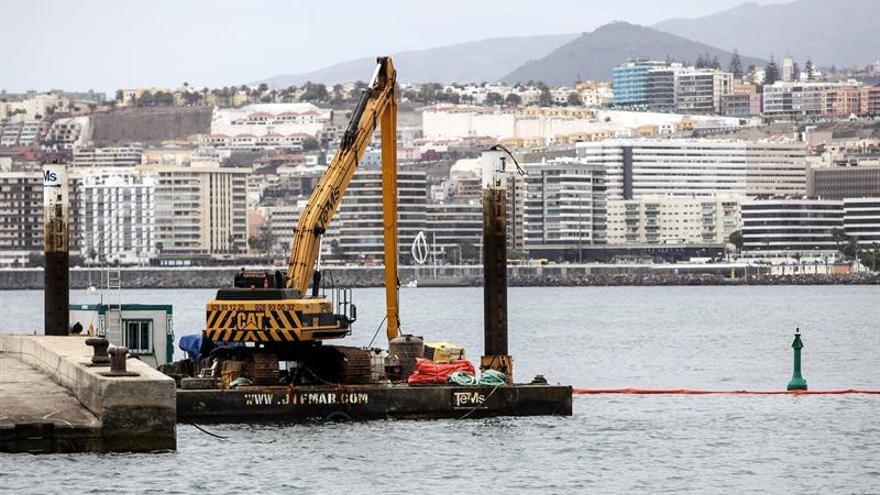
191	344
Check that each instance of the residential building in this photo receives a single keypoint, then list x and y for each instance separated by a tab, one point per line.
861	220
116	208
790	99
358	228
630	82
454	229
200	209
279	119
666	219
281	221
701	167
839	182
21	215
869	100
564	205
701	90
791	227
112	156
68	133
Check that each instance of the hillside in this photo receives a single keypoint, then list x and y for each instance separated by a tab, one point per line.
476	61
594	54
839	32
149	125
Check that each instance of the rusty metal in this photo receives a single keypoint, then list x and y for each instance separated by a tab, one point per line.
55	247
99	346
118	357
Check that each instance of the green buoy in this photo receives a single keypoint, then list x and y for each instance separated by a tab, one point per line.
797	379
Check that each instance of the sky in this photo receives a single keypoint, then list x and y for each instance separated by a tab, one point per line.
104	45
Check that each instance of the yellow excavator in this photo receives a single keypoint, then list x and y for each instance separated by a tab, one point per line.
267	317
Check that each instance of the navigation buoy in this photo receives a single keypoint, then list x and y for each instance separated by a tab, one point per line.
797	379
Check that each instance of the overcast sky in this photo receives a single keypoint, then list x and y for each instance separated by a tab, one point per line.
110	44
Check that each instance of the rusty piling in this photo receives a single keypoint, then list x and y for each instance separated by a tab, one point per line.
495	263
56	243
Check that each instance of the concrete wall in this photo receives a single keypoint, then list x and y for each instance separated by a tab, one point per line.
137	412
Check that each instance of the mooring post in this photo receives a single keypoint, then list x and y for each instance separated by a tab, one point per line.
55	248
797	380
494	183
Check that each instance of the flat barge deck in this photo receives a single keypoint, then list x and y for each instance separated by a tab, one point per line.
375	401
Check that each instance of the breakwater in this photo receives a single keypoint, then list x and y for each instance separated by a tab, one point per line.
518	276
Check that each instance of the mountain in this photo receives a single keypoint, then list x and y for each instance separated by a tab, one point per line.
838	32
593	55
475	61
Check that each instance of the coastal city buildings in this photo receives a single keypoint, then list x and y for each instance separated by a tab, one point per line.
200	209
21	215
839	182
698	166
116	209
358	226
667	219
564	205
861	221
791	227
112	156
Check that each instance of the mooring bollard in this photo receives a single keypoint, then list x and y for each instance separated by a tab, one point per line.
797	380
99	346
117	359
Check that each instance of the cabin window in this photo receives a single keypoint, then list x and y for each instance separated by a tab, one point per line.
138	334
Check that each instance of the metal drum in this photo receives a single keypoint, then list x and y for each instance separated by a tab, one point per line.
402	354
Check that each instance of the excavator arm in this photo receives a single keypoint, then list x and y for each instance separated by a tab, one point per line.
377	106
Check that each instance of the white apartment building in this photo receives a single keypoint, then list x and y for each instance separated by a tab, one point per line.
564	205
112	156
451	122
281	119
666	219
200	209
357	227
116	208
68	133
703	167
281	221
791	227
798	98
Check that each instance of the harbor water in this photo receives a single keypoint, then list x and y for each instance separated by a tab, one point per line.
596	337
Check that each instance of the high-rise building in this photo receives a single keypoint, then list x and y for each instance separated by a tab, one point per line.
656	219
21	215
631	83
116	208
787	99
791	227
200	209
358	227
788	74
564	205
702	167
701	90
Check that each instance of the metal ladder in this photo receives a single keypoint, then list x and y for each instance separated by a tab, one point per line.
113	286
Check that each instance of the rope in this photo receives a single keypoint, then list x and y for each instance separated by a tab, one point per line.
206	432
493	377
462	378
686	391
377	330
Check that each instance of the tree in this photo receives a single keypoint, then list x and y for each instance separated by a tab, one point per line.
771	72
736	238
839	237
715	64
809	70
701	61
119	95
574	99
546	99
493	98
735	65
795	72
314	92
513	100
310	144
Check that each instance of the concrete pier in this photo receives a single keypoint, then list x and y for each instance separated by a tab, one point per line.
53	400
